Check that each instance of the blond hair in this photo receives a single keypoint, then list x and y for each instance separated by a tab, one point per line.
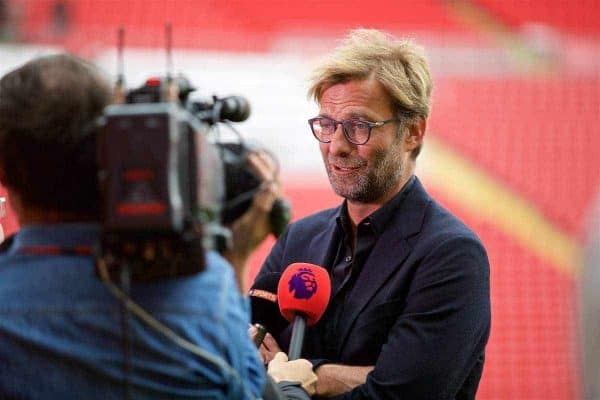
399	65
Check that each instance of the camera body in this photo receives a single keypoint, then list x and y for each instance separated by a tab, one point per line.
166	188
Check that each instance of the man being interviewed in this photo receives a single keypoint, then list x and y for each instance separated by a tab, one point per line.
409	315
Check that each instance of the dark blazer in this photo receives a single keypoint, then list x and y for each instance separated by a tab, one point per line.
419	310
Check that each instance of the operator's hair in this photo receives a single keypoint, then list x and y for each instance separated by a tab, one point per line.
399	66
47	138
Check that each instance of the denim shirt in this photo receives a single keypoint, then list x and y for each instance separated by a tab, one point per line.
61	336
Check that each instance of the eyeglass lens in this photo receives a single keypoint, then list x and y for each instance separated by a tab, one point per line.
355	131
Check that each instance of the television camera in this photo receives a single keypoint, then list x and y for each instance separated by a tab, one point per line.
168	187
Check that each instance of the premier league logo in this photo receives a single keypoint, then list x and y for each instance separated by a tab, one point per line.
303	284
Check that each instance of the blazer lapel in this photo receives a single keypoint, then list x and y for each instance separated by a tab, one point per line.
387	255
323	246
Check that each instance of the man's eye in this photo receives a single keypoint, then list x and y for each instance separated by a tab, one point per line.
360	125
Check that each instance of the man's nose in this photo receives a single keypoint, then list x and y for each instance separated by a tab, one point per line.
339	143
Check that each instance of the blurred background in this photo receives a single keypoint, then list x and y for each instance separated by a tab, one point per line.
512	146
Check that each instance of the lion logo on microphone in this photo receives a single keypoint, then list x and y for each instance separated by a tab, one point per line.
303	284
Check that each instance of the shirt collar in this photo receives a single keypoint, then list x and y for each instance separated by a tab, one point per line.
380	217
59	235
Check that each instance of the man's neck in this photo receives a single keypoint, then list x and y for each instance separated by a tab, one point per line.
28	215
357	211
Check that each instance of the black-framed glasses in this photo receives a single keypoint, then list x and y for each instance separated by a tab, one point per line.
356	131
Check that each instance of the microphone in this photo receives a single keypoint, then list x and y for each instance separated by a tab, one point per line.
230	108
303	293
264	306
234	108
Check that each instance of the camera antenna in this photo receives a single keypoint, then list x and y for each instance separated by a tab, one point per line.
169	48
171	90
119	93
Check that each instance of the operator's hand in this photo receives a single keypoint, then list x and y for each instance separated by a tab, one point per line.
268	348
249	230
280	369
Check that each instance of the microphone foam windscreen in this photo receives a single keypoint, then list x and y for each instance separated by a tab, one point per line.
264	305
304	288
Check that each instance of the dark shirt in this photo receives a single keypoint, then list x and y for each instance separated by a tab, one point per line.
349	261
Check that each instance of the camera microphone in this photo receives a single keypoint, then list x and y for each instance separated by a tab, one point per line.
230	108
233	108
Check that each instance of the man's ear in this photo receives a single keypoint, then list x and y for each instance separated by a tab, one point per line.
416	133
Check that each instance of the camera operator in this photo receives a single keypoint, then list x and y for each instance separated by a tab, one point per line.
61	333
248	232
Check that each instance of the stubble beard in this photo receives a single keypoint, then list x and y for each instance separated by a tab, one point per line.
377	181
